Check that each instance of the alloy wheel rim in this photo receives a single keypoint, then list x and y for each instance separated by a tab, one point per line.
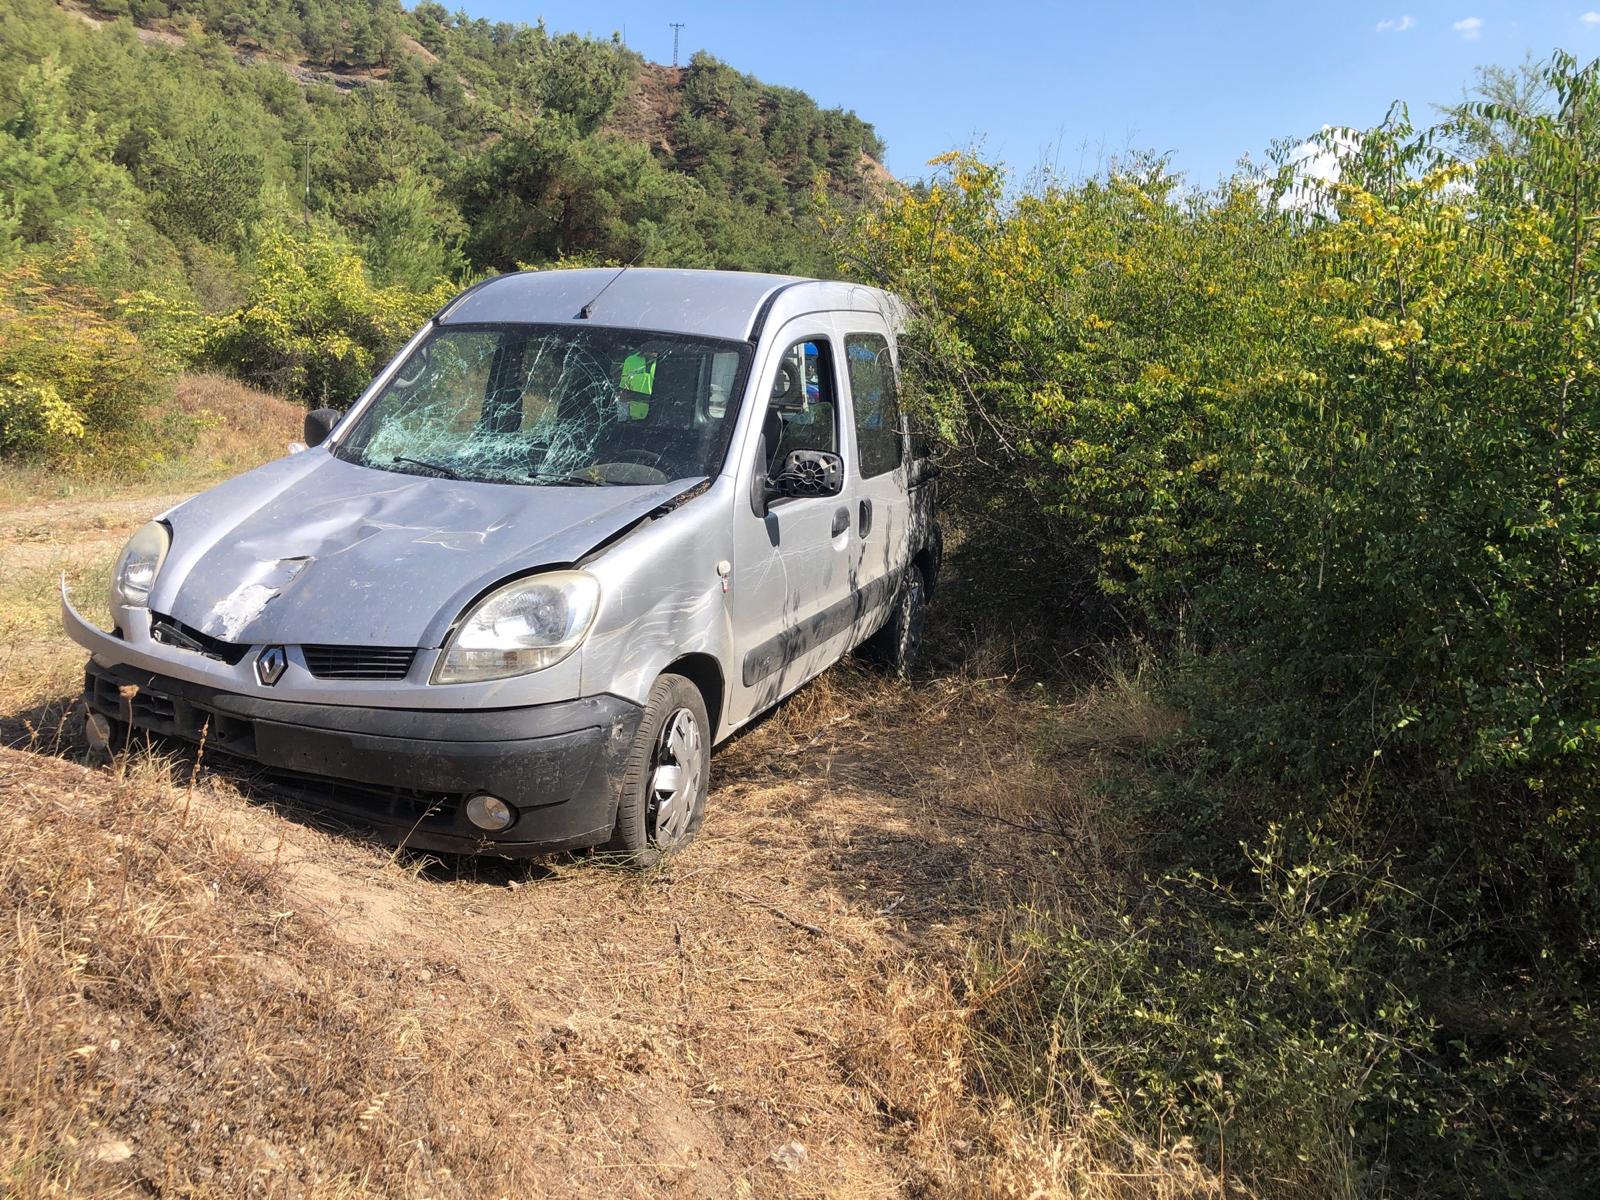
675	773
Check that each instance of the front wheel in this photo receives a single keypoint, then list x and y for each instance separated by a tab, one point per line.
664	783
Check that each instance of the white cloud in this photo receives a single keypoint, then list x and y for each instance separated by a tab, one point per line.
1470	28
1401	24
1315	164
1590	18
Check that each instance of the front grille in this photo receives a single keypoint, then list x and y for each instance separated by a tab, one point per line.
172	632
171	716
359	662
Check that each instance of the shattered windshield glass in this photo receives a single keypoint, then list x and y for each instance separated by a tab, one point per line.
553	405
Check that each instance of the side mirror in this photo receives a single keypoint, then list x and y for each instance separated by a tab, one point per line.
319	424
810	473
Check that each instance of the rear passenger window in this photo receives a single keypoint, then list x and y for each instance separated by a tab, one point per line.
879	431
802	410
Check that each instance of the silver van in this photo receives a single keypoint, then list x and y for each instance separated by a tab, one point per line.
583	527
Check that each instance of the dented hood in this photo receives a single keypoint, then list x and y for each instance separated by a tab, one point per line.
311	549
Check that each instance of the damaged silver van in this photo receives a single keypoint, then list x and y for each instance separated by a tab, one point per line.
583	527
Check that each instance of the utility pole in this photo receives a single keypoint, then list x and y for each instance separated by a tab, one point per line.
305	186
676	25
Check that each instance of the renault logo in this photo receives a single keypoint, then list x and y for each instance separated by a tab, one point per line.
270	665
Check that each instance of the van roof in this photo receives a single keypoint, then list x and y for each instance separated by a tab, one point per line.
731	305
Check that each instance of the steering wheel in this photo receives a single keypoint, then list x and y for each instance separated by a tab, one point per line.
784	383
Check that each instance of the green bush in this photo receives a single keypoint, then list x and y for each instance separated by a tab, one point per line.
313	324
204	183
1336	448
73	379
55	162
1261	1018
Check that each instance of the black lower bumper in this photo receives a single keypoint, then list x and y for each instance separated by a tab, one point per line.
406	773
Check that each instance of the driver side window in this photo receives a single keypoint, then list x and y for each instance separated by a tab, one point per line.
802	408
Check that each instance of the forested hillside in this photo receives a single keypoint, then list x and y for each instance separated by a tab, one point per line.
236	185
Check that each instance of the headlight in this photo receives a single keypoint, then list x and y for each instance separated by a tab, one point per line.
525	626
139	565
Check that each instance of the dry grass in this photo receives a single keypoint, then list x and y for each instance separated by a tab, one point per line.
237	427
210	428
217	1000
209	997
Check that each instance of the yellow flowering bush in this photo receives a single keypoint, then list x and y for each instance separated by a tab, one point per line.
1333	451
313	323
71	376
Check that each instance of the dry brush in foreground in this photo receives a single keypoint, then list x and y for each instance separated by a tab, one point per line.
211	999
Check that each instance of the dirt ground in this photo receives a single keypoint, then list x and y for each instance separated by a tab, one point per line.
787	1008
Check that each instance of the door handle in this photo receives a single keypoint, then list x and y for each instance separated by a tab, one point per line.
866	517
841	521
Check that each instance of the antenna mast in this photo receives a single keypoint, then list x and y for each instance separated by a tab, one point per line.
676	26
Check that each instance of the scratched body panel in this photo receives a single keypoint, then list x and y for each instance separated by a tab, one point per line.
384	559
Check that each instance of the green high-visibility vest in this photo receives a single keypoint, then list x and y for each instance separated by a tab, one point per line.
638	375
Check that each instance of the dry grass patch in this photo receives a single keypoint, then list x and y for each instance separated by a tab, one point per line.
210	428
220	1001
170	1022
237	426
214	999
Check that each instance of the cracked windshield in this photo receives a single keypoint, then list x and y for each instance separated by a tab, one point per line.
553	405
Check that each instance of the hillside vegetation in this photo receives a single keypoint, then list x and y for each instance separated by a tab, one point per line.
286	193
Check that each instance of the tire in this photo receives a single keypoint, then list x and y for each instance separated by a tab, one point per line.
662	801
897	644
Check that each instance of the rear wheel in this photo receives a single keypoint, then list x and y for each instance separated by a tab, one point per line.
664	783
898	643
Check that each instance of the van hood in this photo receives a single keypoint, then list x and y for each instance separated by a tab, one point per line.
311	549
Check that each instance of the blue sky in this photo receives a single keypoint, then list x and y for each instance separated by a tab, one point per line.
1071	84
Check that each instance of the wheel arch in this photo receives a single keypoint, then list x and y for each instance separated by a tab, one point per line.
926	560
930	556
705	672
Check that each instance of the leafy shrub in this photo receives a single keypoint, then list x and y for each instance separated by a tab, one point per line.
1335	447
313	324
71	376
1262	1017
204	182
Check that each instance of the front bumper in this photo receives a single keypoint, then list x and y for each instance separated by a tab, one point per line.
406	773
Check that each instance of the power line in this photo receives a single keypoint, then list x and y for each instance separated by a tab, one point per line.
676	25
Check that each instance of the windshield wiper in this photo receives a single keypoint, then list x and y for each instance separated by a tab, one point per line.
447	472
566	480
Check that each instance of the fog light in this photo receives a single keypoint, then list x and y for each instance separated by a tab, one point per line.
490	812
97	730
